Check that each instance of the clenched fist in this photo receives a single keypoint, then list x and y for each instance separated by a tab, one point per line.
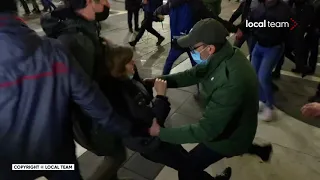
311	110
160	86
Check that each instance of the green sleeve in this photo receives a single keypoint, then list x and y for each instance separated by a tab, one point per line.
218	113
186	78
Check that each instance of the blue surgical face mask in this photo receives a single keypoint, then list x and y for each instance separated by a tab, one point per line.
197	57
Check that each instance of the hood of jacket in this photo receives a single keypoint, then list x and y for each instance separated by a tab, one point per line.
16	39
63	21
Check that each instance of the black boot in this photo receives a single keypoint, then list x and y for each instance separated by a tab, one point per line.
160	40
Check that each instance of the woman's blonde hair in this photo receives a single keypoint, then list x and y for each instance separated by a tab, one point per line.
119	57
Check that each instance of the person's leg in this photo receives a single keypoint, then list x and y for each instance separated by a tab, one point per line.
172	57
313	47
256	59
277	71
171	155
25	7
198	160
35	5
51	5
130	13
136	20
141	32
270	58
151	30
45	5
300	52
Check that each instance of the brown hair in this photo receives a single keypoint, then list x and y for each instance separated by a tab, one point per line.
119	57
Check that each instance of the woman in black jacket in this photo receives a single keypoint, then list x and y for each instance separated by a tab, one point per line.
132	100
133	7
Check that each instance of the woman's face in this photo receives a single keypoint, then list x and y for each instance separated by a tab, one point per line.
130	68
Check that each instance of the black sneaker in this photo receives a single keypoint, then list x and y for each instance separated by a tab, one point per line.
225	175
160	40
133	43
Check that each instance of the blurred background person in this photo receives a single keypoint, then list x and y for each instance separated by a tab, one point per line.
133	8
25	6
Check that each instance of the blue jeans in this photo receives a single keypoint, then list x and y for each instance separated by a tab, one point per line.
174	54
199	159
264	59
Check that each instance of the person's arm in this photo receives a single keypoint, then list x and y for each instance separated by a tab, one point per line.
236	14
91	100
186	78
161	108
217	117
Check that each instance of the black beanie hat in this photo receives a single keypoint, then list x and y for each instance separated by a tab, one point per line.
8	6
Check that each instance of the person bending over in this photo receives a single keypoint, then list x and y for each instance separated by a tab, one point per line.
130	98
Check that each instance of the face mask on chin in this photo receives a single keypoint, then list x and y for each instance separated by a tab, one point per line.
130	76
101	16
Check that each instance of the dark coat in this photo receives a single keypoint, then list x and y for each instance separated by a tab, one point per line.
133	101
39	80
133	5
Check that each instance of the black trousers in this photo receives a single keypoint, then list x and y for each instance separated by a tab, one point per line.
287	53
147	25
312	42
135	15
190	166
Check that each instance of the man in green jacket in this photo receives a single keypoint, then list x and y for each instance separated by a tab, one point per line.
230	90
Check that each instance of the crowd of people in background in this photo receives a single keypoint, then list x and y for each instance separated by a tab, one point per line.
48	5
74	84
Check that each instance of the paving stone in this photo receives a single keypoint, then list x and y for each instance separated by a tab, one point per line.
125	173
143	167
